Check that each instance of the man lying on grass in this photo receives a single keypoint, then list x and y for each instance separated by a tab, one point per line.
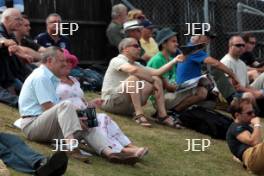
244	136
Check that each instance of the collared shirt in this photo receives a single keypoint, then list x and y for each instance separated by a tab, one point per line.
45	40
39	88
150	47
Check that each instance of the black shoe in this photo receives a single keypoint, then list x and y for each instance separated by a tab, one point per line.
54	166
122	158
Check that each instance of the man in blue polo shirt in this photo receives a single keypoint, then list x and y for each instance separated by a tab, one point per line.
49	38
45	119
192	67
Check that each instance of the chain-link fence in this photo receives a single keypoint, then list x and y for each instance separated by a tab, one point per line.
223	16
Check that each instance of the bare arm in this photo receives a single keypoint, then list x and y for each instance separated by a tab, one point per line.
31	52
147	73
140	72
254	138
165	68
7	42
215	63
169	87
257	93
47	105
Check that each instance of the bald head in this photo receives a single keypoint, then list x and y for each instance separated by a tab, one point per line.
235	39
10	12
236	46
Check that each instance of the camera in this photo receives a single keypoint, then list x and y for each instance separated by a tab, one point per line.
90	113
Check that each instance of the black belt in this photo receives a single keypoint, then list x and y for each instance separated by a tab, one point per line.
29	116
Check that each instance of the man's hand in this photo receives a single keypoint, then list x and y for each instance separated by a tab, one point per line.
255	120
83	123
257	93
12	49
9	42
16	50
179	58
97	102
235	81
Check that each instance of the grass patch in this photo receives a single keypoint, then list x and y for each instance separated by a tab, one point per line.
166	156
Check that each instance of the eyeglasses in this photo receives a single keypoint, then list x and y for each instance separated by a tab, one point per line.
239	45
249	113
135	46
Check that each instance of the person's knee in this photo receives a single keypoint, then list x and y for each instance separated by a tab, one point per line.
132	78
66	104
202	93
157	80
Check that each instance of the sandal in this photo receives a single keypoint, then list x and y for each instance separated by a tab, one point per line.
172	123
143	151
141	120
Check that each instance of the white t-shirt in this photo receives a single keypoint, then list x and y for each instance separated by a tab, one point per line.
114	75
238	67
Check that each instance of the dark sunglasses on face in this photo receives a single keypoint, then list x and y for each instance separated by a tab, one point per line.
134	46
249	113
239	45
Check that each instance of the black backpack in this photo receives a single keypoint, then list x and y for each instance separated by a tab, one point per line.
206	121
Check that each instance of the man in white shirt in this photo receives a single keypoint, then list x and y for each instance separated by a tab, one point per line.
232	61
123	78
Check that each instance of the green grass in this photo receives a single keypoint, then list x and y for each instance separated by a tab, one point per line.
166	156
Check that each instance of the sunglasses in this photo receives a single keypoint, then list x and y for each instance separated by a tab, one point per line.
249	113
134	46
239	45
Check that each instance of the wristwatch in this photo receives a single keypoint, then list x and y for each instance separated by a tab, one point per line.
257	125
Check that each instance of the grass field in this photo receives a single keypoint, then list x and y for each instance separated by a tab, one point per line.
166	156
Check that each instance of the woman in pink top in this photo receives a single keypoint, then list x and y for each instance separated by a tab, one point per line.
69	89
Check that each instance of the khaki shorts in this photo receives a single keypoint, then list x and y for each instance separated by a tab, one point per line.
253	159
118	103
173	99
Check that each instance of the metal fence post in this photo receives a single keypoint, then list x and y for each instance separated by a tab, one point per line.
239	17
206	20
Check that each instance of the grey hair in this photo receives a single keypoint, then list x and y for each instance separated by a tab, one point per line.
7	13
117	10
125	43
50	52
51	15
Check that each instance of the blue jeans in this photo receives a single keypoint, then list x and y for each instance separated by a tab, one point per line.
8	98
17	155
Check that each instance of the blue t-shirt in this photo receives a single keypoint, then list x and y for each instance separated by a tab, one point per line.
191	67
45	40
